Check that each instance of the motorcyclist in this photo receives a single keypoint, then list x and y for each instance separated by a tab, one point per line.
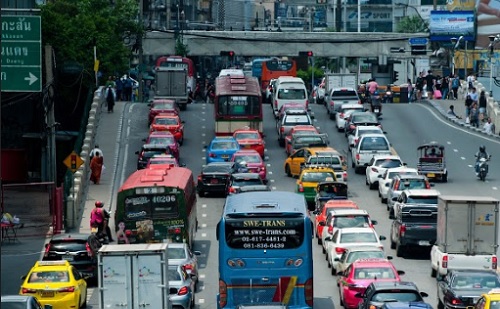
99	219
376	102
480	155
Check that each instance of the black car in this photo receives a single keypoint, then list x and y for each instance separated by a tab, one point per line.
79	249
148	151
246	182
406	305
380	292
214	178
360	119
463	288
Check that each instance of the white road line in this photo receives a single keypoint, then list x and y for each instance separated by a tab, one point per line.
202	276
470	165
268	165
494	188
269	173
203	245
204	206
455	150
274	188
201	300
204	215
203	234
203	134
449	143
203	225
463	158
272	180
203	150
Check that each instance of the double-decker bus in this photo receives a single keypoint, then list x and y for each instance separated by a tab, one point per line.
237	104
157	205
275	68
179	62
265	250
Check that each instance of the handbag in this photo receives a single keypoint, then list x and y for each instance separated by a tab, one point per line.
437	94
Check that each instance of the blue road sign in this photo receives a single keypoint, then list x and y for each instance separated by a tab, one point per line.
418	41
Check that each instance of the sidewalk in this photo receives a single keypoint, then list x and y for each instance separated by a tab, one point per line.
107	137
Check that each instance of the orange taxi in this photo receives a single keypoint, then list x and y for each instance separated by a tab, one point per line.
250	139
300	129
168	122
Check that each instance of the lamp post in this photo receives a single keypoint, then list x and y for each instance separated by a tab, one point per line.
453	43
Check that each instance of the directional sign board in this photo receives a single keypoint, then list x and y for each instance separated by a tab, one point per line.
418	41
21	54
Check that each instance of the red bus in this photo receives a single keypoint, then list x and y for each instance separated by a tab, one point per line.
237	104
275	68
157	205
179	62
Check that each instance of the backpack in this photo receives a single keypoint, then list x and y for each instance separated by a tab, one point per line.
96	216
455	83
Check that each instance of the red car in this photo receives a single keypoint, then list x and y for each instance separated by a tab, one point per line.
162	106
300	129
320	218
249	161
172	123
250	139
356	278
287	106
165	138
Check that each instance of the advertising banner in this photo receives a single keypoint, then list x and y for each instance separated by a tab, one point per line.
488	21
445	25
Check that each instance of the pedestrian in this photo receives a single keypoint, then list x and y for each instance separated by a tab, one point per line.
119	89
474	95
455	84
474	115
419	85
482	106
96	165
488	127
110	82
451	112
431	82
127	88
445	87
468	105
94	151
410	91
470	80
110	98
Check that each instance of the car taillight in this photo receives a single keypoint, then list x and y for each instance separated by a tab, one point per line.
494	262
223	294
330	230
212	155
307	103
282	130
402	229
352	127
68	289
357	156
183	291
341	115
332	104
374	169
455	301
89	251
232	190
356	287
199	178
427	185
339	250
301	187
276	103
444	262
188	267
359	102
47	249
28	291
309	292
344	175
356	141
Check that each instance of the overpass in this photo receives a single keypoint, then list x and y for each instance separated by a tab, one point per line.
264	43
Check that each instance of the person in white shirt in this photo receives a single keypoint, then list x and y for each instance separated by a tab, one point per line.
488	127
94	151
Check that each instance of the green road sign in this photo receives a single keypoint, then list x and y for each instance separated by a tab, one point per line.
21	54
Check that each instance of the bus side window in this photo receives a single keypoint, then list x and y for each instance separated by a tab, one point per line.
217	231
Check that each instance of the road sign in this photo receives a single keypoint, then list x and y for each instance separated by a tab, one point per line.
418	41
73	161
21	54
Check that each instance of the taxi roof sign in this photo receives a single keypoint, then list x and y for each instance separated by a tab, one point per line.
494	291
52	263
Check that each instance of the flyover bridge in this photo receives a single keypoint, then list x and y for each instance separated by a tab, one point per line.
263	43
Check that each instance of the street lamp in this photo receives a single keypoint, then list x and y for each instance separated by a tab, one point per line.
493	40
453	43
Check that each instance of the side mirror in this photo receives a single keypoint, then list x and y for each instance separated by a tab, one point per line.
137	152
48	307
387	185
380	176
149	104
322	223
183	121
263	135
374	222
144	140
358	295
389	257
182	165
336	259
265	181
366	164
391	216
405	164
423	294
23	277
432	184
316	212
394	199
381	237
205	146
401	272
328	238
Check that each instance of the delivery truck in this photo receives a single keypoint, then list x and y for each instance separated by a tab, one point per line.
467	234
172	83
133	276
335	80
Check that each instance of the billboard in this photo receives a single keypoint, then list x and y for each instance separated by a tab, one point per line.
445	25
488	21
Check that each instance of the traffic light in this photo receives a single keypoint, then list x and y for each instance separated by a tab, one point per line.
395	76
306	53
419	49
228	53
73	162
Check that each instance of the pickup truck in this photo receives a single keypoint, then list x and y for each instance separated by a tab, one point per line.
467	235
413	225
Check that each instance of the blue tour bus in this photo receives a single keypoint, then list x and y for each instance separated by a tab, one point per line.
257	67
265	250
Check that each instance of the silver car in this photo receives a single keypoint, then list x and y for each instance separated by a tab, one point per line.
180	254
181	287
22	302
404	182
290	119
339	97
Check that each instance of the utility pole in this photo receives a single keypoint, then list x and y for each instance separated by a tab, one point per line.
139	42
50	121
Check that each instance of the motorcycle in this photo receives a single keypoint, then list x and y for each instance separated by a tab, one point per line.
388	97
211	93
376	106
483	168
101	232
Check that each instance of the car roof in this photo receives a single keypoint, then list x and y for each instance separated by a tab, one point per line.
423	192
177	245
352	105
401	168
394	285
361	128
364	248
372	262
246	175
346	211
66	236
295	112
348	230
381	157
16	298
371	135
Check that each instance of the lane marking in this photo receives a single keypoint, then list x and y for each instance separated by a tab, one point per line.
203	234
463	158
203	225
272	180
204	206
269	173
455	150
204	215
201	300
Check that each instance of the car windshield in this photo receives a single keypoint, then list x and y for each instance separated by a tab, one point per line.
248	159
325	160
364	255
224	145
49	276
422	199
69	244
317	176
351	221
388	163
476	282
397	296
357	237
297	120
174	275
374	272
217	169
247	135
364	118
158	140
166	121
374	143
247	182
494	304
412	184
309	140
164	106
176	253
291	94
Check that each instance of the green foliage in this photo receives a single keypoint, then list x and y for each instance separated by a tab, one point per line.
412	24
181	49
73	28
306	75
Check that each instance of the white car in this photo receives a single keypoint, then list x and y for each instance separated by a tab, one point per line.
385	180
369	145
344	112
350	237
378	165
353	139
352	254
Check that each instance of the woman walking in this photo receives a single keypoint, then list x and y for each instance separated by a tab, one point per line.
96	168
110	98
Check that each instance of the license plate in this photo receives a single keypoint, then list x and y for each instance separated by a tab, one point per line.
47	293
248	146
214	180
424	243
67	257
376	110
225	156
431	175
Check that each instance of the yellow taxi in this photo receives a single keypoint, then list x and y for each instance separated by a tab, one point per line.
490	300
56	283
295	162
309	180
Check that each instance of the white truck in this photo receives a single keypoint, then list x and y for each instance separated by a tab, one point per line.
172	83
467	234
133	276
337	80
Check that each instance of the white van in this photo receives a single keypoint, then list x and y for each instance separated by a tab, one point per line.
289	90
231	72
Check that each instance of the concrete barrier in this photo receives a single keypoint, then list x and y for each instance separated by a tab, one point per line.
492	107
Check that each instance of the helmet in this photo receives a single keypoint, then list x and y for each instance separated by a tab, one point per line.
99	204
482	148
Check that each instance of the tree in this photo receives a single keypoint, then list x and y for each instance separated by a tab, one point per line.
412	24
73	28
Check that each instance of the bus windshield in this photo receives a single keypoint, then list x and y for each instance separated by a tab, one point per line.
148	206
238	105
271	233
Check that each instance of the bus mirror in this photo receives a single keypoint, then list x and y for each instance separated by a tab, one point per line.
183	121
322	223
